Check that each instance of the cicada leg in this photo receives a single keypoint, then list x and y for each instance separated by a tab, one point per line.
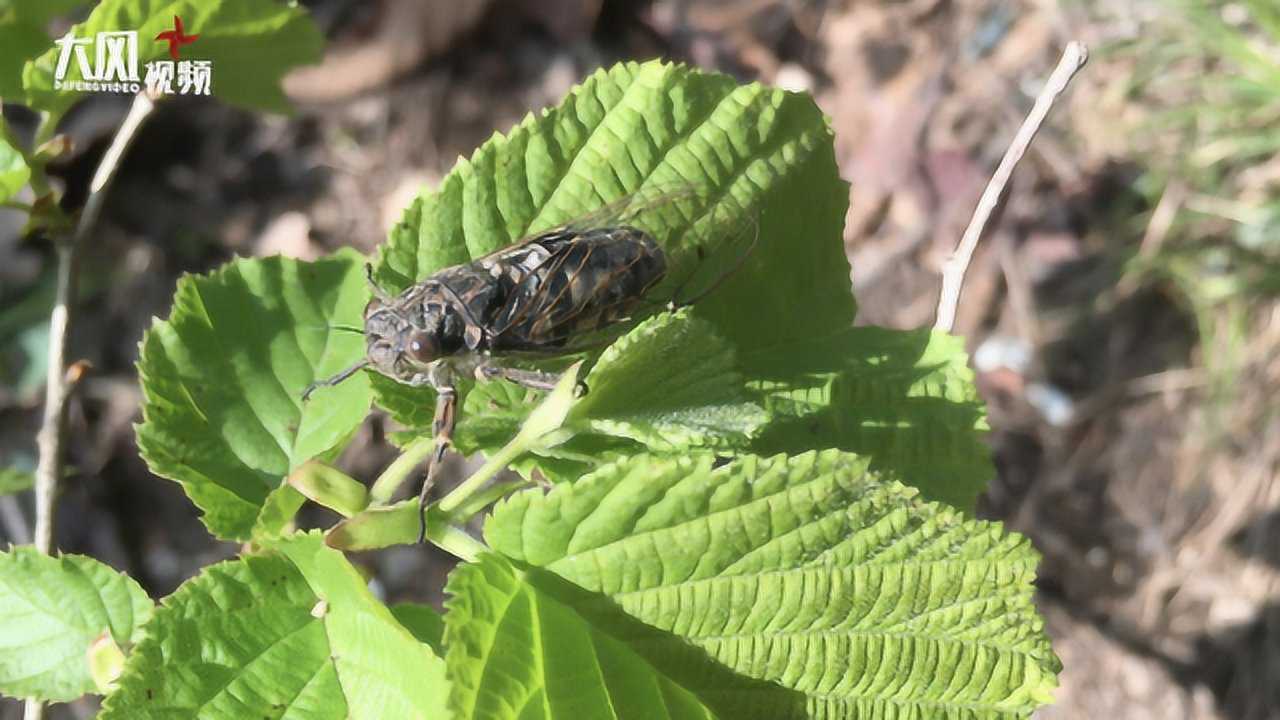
442	431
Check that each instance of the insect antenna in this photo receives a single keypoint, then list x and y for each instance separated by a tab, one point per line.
330	382
336	326
347	328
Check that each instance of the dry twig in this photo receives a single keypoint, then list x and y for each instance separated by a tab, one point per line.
1073	58
62	379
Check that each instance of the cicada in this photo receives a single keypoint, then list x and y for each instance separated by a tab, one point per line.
545	295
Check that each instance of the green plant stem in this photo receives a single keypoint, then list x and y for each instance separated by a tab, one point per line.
456	541
543	428
484	498
492	466
384	488
16	205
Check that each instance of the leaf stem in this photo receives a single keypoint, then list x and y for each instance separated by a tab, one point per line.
53	424
492	466
456	541
483	499
384	488
1073	58
543	428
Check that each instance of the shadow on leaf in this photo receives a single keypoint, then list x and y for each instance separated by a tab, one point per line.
903	398
723	691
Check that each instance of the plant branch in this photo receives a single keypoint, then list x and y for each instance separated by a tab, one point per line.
1073	58
456	541
384	488
495	464
484	498
62	379
60	382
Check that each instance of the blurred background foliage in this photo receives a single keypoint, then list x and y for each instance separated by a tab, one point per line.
1122	313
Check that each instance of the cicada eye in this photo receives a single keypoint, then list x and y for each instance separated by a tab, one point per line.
422	347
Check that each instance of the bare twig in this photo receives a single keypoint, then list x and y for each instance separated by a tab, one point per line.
61	378
1073	58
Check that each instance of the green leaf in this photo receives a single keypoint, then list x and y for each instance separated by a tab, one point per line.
37	12
379	527
753	156
668	385
399	524
516	650
384	670
293	633
106	662
14	172
747	149
671	384
23	36
52	611
837	587
493	413
21	40
329	487
278	510
904	399
13	481
250	45
424	621
223	376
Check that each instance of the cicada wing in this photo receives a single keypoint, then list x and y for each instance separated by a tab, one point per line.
615	264
716	248
638	208
706	236
589	281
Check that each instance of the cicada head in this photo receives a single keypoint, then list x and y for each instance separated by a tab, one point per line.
395	345
403	337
